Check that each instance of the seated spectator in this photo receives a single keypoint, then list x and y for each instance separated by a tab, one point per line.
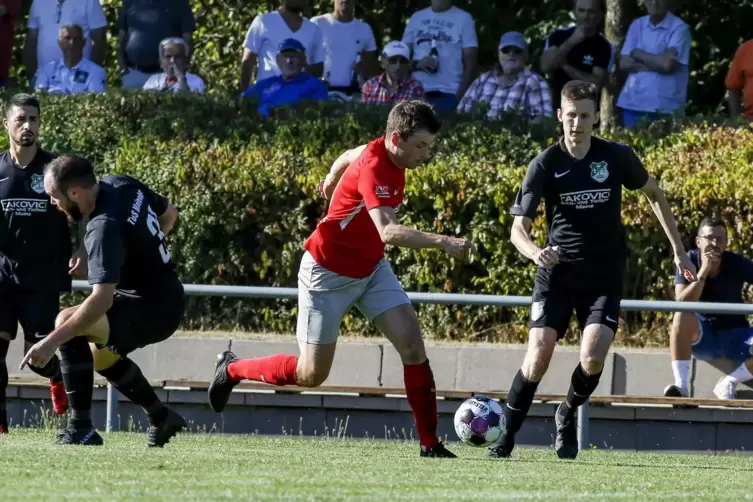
722	278
292	85
268	31
142	25
510	86
579	52
73	74
349	48
173	58
740	82
656	53
42	36
445	52
396	83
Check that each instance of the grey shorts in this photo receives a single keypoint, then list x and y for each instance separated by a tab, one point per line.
324	298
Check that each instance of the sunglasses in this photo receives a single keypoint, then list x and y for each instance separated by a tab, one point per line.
515	51
396	60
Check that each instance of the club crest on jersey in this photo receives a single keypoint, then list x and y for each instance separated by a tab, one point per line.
599	171
37	183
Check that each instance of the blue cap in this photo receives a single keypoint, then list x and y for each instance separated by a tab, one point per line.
291	44
513	39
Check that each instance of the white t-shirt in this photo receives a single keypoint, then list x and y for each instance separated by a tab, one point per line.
266	33
157	83
43	16
343	44
453	31
86	76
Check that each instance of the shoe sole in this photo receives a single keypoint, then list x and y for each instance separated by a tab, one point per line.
221	361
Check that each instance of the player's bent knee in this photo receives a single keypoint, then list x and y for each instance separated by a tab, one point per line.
541	343
592	364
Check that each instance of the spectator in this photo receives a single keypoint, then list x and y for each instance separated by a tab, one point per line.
656	55
449	33
510	86
349	48
268	31
579	52
142	25
45	19
9	12
73	73
173	58
722	278
740	82
292	85
396	83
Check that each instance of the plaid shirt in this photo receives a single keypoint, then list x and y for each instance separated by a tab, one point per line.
375	90
528	94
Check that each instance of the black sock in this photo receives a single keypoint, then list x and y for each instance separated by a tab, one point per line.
77	367
51	370
127	377
582	386
518	402
3	383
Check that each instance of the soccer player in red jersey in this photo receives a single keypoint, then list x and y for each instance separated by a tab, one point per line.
344	265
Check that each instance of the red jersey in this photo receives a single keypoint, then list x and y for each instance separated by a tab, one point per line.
346	241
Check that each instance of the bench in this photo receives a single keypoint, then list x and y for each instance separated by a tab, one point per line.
450	395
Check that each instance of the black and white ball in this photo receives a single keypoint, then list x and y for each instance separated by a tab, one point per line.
479	421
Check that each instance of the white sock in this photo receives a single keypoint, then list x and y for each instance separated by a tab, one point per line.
681	370
741	374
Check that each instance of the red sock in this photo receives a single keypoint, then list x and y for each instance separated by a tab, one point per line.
422	397
274	370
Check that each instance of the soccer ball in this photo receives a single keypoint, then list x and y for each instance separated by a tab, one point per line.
479	421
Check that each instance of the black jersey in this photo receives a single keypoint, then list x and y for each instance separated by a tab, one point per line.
125	245
35	241
582	198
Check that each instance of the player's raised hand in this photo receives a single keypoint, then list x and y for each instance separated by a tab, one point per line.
457	247
39	355
547	257
686	267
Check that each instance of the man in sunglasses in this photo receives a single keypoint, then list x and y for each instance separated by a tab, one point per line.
722	275
511	86
396	84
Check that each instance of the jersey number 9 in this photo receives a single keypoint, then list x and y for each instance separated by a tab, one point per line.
153	223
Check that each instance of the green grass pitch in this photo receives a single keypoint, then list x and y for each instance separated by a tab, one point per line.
204	467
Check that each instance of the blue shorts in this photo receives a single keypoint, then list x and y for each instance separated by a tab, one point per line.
631	118
733	344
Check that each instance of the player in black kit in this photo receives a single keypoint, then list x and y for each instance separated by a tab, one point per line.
137	298
35	247
581	266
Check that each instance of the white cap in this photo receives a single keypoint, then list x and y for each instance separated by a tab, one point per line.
396	48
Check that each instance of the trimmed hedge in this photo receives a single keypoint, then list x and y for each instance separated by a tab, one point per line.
247	192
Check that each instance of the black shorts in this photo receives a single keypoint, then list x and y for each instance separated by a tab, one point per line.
594	292
136	323
34	310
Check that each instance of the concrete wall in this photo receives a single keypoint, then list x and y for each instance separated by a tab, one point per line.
627	372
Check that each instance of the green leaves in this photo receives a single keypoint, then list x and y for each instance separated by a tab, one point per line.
247	189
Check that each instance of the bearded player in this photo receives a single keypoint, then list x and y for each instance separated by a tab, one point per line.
344	265
582	265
